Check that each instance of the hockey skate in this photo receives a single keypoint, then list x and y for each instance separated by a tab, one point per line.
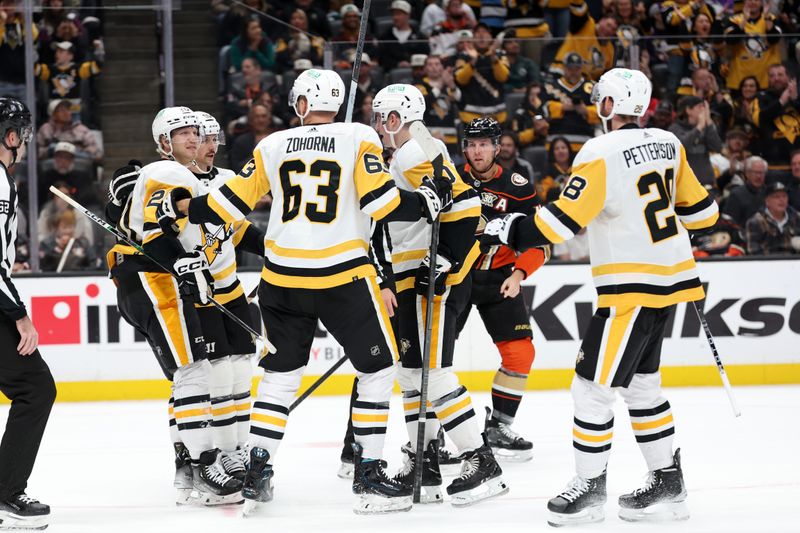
346	466
580	503
212	486
23	512
257	488
233	463
480	479
506	443
445	457
662	498
430	491
377	492
184	478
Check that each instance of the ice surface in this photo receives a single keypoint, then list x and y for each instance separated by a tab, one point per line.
107	467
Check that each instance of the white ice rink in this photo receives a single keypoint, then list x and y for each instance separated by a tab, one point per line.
108	467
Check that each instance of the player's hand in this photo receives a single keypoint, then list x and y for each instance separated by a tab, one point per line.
422	281
194	279
167	211
389	300
436	195
511	285
29	338
123	181
500	231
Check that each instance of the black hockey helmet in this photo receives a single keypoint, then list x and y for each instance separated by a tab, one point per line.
482	128
14	116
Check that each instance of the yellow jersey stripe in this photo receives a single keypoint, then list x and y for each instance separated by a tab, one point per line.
442	415
618	327
321	282
299	253
592	438
643	268
639	426
358	417
266	419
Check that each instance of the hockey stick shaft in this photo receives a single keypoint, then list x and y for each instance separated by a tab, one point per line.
717	359
314	386
362	35
124	238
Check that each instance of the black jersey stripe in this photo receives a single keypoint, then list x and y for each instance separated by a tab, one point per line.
564	218
316	272
655	436
237	202
594	427
637	413
683	211
374	194
646	288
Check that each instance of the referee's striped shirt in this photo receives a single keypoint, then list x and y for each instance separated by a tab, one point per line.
11	305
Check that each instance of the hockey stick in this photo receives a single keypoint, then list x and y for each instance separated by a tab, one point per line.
121	236
725	383
362	35
314	386
432	151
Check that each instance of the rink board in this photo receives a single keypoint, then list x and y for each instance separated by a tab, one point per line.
753	308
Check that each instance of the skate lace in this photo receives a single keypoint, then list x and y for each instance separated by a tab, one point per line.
650	482
217	475
469	467
242	455
508	432
576	488
229	461
27	500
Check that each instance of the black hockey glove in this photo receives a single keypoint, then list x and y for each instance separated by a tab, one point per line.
436	196
167	211
500	231
122	182
422	280
194	279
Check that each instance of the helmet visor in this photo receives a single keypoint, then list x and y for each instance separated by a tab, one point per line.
595	98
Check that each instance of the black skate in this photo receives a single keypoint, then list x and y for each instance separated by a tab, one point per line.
377	492
505	442
346	466
445	457
257	488
233	463
480	479
580	503
431	491
212	486
662	498
23	512
184	478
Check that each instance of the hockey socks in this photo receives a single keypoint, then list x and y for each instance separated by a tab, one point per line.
411	408
509	382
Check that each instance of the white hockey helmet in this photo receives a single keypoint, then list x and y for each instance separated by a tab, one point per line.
628	89
209	127
401	98
168	120
322	89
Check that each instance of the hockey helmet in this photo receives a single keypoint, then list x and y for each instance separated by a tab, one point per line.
628	89
482	128
14	116
404	99
209	127
168	120
322	89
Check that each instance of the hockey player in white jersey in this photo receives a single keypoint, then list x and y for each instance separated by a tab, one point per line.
163	307
395	108
636	195
327	180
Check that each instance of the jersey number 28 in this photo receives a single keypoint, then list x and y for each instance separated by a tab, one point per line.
328	192
663	186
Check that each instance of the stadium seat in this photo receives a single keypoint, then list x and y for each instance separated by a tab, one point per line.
224	67
513	101
381	25
537	157
401	75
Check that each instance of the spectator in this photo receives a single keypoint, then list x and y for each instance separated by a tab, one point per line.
231	24
559	168
61	127
753	39
522	70
363	113
365	85
528	121
441	98
433	16
63	248
729	164
678	19
592	41
508	157
12	50
347	38
297	44
663	115
70	30
52	209
418	67
494	13
64	75
744	107
245	89
723	239
556	14
569	109
481	73
745	200
400	42
779	120
252	42
698	134
260	121
53	15
632	14
317	18
794	183
79	177
775	228
526	20
704	85
447	34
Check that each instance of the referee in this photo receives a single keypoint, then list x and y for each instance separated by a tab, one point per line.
24	376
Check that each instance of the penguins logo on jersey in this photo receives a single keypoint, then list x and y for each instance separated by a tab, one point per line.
756	46
214	240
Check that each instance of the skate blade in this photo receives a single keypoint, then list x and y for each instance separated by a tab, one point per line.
183	497
660	512
374	504
345	471
512	456
489	489
586	516
432	494
206	499
10	521
252	508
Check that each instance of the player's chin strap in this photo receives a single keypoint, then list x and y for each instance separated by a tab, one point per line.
13	149
304	115
605	120
393	133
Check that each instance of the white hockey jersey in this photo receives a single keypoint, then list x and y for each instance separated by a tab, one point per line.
326	182
411	240
635	193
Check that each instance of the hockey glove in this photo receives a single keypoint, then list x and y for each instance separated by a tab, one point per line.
167	211
422	281
500	231
122	182
436	195
194	279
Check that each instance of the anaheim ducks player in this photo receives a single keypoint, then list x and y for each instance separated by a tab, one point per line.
496	279
637	196
163	307
395	107
327	180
